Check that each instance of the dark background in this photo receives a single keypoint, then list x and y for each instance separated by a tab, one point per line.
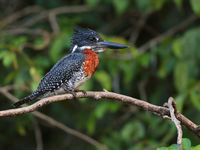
162	61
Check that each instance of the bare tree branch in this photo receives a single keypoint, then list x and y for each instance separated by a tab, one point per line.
53	122
46	36
42	14
15	16
173	111
56	11
137	29
155	41
54	23
38	135
158	110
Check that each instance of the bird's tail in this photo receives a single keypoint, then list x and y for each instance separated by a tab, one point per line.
29	98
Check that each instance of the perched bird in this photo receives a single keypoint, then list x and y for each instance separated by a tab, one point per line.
74	69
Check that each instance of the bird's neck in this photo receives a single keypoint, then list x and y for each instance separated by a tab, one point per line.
91	62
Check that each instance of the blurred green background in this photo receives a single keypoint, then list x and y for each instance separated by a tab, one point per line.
163	60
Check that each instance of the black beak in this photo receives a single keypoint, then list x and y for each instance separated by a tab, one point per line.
111	45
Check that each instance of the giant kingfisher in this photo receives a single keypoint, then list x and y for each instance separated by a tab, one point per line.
74	69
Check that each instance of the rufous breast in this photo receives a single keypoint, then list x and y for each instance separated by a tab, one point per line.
91	62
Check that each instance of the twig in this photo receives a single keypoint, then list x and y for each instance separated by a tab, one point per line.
56	11
136	31
15	16
55	123
155	41
42	14
158	110
46	36
38	135
173	111
142	90
54	23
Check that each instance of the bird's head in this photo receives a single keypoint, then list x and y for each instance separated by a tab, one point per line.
89	39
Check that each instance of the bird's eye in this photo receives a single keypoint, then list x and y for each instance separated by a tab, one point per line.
94	39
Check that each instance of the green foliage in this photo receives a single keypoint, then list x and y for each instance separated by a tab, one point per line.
120	6
178	3
149	5
186	143
195	6
104	79
170	68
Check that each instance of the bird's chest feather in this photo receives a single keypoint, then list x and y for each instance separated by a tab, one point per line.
91	62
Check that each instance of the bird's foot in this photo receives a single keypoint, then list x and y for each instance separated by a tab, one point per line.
73	93
83	91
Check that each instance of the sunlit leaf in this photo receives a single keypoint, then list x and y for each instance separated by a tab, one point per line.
92	2
103	78
91	123
195	6
120	5
57	47
196	147
178	3
181	75
186	144
195	96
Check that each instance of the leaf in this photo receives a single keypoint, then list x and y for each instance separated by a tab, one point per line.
133	130
166	66
162	148
186	50
19	41
120	5
56	47
91	123
104	79
36	77
92	2
195	6
7	57
21	131
194	96
177	48
178	3
180	101
186	144
101	109
196	147
181	75
38	42
146	6
104	107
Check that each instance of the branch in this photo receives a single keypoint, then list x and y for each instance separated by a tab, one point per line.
38	135
137	29
173	111
155	41
56	11
46	36
15	16
42	14
54	123
158	110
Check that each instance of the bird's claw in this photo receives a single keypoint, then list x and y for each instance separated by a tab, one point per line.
83	91
73	94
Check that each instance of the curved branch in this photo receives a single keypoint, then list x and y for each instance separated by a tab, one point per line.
173	111
155	41
158	110
53	122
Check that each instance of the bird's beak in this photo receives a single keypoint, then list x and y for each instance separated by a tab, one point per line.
111	45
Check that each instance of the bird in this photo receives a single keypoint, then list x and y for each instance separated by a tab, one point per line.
74	69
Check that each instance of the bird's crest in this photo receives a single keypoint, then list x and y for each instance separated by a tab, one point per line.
83	37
